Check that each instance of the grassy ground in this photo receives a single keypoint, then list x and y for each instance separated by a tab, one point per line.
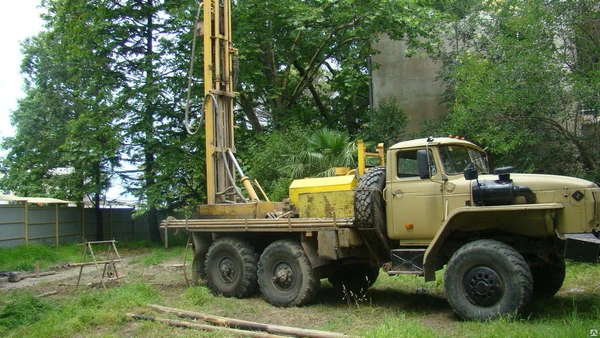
400	306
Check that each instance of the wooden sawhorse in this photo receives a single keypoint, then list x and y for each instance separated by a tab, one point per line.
112	257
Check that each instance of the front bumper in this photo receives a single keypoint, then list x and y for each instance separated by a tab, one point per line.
583	247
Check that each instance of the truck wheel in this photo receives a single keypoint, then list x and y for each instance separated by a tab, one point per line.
231	268
285	275
548	278
355	278
369	209
486	279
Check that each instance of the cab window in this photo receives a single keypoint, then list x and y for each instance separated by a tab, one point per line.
407	164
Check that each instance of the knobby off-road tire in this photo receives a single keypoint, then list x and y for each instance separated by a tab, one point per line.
548	278
231	268
285	275
486	279
369	208
356	278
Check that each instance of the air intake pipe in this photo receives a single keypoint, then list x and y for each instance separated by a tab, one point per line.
499	192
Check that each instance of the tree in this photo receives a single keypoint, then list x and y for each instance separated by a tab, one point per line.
151	50
105	83
63	124
387	123
307	60
511	80
323	150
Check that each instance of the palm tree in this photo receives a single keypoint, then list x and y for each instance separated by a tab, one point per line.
325	150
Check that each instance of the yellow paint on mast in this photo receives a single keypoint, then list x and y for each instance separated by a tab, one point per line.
218	84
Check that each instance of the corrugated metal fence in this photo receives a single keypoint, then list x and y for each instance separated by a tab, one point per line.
54	225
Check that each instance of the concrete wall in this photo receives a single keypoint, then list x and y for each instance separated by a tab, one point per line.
412	81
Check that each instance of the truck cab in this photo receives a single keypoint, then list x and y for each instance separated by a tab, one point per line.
443	208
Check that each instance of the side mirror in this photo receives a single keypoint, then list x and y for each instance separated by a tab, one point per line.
470	172
423	164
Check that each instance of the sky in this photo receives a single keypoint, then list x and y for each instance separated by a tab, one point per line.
20	19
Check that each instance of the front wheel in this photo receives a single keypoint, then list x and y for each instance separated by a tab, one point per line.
486	279
285	275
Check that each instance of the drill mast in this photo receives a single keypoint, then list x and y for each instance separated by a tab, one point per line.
219	93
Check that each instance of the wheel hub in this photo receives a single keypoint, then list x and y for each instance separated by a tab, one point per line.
483	286
283	276
227	270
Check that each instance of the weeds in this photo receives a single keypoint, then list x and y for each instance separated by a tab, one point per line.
22	309
198	296
401	306
22	258
356	295
159	255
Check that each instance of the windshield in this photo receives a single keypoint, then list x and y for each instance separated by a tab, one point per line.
456	158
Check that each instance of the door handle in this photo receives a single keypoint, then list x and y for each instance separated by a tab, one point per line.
398	193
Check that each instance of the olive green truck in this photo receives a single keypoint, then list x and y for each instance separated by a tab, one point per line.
502	238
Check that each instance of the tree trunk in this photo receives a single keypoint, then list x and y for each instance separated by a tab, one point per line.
148	125
246	104
316	97
97	206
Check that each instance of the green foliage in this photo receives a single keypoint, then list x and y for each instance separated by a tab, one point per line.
515	84
262	158
387	123
308	60
106	82
323	150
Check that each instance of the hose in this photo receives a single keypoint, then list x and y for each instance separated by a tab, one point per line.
190	75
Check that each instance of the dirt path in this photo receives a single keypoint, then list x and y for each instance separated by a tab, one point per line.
65	275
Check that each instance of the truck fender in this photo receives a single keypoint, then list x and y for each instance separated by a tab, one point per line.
460	219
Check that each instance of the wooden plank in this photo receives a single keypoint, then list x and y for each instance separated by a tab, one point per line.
94	263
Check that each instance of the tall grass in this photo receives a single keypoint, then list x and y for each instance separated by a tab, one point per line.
159	255
89	313
22	309
22	258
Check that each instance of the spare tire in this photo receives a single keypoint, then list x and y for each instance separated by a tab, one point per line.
369	207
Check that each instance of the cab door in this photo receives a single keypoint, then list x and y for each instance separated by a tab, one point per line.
415	208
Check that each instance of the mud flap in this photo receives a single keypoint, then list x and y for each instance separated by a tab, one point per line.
582	247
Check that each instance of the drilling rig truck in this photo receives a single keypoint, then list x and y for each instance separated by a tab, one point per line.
427	205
